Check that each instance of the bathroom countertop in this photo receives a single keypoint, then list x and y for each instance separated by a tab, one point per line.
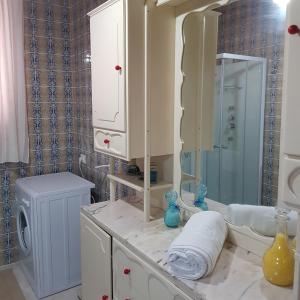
237	275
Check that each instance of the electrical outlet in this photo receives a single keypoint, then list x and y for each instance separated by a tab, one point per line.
82	159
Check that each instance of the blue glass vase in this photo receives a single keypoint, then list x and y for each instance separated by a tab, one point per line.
172	214
200	197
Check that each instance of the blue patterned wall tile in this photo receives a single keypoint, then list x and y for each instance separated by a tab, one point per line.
47	56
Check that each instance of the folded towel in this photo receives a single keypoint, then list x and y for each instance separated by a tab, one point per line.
259	218
194	253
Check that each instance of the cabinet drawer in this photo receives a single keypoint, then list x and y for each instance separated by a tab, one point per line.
111	142
133	278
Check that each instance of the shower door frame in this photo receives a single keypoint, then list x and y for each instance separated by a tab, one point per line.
263	61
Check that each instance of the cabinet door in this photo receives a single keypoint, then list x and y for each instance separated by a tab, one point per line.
290	140
134	279
108	66
121	281
161	289
95	262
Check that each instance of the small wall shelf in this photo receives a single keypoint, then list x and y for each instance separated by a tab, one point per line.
137	184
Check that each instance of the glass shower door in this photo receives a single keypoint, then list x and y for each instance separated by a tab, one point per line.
223	167
231	147
232	171
210	160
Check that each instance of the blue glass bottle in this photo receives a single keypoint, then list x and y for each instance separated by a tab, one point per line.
200	197
172	214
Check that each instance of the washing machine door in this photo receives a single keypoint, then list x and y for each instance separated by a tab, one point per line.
23	229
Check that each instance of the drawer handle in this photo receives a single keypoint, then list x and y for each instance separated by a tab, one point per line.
106	141
104	297
118	68
294	29
126	271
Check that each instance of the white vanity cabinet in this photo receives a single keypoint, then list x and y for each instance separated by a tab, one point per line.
117	29
117	272
95	261
135	279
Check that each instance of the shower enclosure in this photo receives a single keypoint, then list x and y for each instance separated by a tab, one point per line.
232	171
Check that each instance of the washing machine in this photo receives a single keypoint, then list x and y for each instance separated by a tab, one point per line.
48	227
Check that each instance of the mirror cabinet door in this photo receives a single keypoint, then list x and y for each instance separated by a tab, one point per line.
199	33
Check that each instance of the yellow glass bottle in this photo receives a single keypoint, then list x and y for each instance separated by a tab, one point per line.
278	261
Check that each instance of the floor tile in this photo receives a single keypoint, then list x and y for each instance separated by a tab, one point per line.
28	293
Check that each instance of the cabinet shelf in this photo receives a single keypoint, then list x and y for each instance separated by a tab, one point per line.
170	2
137	184
187	178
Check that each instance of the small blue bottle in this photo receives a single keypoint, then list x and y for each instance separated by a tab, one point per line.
200	197
172	214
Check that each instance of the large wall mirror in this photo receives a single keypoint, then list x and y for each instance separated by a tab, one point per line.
231	101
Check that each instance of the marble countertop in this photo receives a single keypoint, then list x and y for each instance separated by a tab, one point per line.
237	275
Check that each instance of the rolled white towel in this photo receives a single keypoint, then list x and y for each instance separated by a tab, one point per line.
194	253
259	218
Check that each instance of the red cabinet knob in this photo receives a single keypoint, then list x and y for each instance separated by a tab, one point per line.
294	29
106	141
126	271
104	297
118	68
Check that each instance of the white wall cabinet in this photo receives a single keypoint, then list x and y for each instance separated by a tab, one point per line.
118	78
289	185
132	278
95	261
289	171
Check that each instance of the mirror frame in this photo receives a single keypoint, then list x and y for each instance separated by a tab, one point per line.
178	109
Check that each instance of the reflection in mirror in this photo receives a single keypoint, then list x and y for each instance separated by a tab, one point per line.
232	171
239	163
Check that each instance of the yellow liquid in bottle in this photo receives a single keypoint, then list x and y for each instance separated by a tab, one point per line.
278	262
293	245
